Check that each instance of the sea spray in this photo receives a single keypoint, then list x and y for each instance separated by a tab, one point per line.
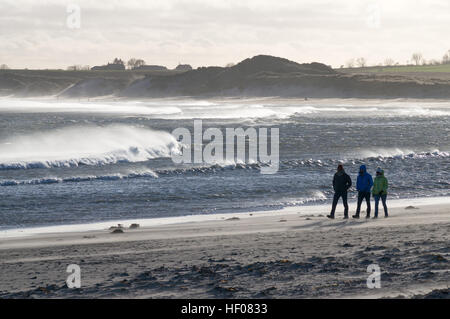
92	145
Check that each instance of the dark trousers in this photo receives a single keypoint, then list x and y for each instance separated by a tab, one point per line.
361	196
336	197
383	200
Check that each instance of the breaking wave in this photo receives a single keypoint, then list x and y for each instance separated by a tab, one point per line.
71	147
399	153
74	179
122	107
367	156
205	169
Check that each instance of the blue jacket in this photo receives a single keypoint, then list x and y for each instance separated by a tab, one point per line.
364	182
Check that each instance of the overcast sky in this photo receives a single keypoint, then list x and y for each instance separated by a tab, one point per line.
43	34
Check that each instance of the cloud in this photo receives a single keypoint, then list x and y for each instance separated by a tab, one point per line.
208	32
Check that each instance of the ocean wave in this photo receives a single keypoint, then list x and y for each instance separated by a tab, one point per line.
217	167
122	107
420	112
314	197
402	154
239	165
365	156
94	146
76	179
205	169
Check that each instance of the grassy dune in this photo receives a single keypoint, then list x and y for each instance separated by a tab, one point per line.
255	77
444	68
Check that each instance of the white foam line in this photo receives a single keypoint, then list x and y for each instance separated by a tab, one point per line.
153	222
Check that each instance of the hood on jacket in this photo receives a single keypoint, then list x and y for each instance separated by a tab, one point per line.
363	168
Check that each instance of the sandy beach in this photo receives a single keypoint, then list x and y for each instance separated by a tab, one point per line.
281	254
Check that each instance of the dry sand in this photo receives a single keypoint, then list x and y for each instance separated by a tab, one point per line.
283	255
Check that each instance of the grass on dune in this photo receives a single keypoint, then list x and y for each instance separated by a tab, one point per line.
444	68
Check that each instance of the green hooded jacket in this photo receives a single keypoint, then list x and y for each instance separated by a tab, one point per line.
380	184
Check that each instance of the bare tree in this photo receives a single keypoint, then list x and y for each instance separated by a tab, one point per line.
4	67
389	62
361	62
135	63
350	63
417	58
446	58
138	63
131	63
118	61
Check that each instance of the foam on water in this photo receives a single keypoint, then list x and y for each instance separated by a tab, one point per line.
88	145
52	106
224	109
402	153
84	178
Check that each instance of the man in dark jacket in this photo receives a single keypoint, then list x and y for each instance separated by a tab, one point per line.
341	183
364	184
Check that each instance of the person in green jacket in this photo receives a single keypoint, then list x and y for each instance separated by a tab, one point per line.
379	190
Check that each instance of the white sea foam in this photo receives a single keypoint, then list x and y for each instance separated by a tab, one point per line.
401	153
91	145
226	109
122	107
82	178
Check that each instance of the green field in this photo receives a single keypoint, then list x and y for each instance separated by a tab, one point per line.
442	68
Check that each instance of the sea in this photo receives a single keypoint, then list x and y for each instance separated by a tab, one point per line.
75	162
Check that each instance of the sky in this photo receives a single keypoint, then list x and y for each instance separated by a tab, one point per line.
55	34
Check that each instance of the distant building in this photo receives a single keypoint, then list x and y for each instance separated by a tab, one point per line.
183	67
151	68
109	66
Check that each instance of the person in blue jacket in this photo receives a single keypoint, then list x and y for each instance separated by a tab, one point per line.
364	184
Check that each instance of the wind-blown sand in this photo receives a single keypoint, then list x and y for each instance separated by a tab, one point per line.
286	254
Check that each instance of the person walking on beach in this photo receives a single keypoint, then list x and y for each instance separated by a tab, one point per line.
364	184
341	183
379	191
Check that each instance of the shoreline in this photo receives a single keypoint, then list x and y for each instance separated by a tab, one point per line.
309	210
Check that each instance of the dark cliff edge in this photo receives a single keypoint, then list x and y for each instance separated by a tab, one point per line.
260	76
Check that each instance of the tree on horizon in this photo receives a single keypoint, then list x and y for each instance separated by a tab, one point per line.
361	62
135	63
417	58
118	61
